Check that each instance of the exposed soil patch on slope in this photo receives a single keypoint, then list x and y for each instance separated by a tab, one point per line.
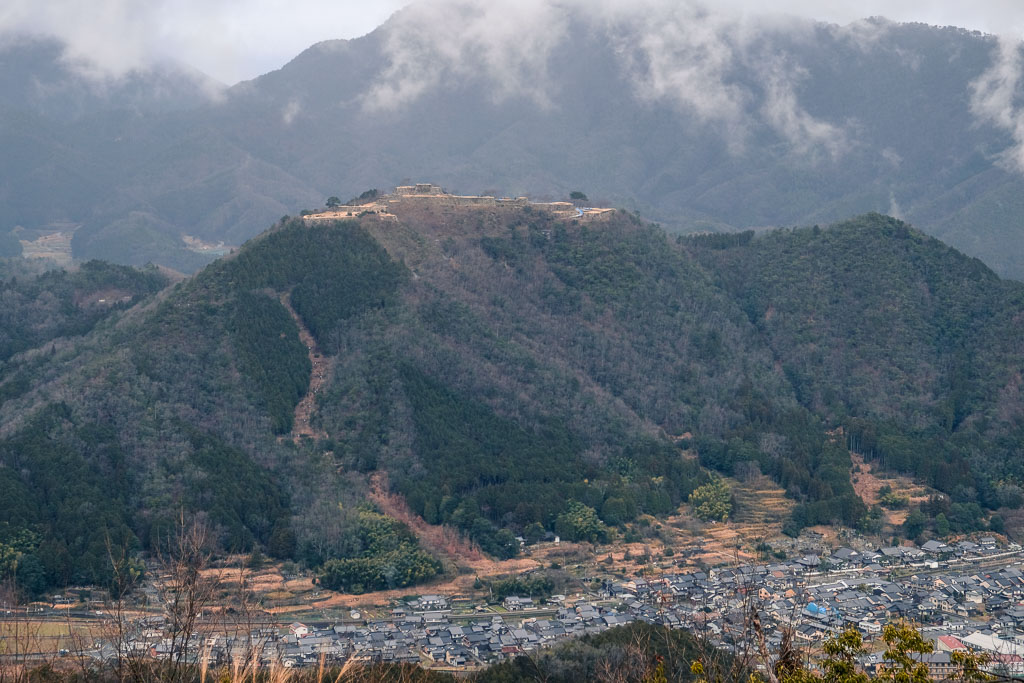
322	367
438	539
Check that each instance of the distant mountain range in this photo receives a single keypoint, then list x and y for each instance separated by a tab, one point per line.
698	122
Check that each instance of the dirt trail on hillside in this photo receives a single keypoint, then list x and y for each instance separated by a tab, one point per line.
322	366
440	539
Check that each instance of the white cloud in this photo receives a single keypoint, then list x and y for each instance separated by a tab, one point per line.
994	98
682	53
233	39
291	110
239	39
806	134
506	43
895	210
230	40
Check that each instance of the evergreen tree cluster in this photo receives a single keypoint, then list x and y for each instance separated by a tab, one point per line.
64	510
334	271
271	354
484	472
388	556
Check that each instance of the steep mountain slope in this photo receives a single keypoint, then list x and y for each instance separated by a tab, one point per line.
188	392
508	371
699	121
914	347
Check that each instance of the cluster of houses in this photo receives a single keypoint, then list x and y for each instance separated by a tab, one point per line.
408	635
443	639
964	596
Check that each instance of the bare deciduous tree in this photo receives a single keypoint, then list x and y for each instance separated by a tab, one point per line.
183	559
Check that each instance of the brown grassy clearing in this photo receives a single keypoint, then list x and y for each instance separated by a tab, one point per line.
866	484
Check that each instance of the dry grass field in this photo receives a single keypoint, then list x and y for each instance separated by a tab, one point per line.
867	483
46	636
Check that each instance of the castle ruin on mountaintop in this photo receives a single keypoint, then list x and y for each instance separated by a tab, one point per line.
434	196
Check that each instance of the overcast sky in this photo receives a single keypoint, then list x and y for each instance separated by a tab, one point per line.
234	40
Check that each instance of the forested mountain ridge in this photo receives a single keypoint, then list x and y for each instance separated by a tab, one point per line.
696	121
913	347
41	309
512	373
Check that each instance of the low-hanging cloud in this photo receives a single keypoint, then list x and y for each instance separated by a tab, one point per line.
507	43
290	112
806	134
686	54
225	39
680	54
692	54
994	99
230	40
102	39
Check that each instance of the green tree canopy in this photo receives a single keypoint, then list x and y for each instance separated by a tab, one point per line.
580	523
712	501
